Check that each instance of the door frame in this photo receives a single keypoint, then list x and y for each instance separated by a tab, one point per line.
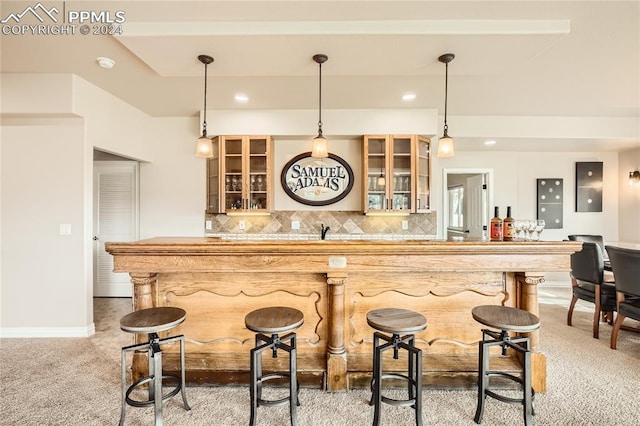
445	193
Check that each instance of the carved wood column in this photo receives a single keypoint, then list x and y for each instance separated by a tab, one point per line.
144	290
528	300
336	350
144	296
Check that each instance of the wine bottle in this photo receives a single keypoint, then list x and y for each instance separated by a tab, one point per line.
508	231
496	226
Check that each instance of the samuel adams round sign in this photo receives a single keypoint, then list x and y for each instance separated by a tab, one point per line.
317	181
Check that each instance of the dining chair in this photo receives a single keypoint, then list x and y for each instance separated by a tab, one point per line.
626	269
598	239
587	282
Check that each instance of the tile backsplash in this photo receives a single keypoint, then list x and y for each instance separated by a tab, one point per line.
346	225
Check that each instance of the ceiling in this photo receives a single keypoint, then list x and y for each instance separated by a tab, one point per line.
514	59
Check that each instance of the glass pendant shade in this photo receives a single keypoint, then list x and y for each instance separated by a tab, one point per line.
319	147
445	147
381	181
204	149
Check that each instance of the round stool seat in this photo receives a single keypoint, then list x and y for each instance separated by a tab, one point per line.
506	318
274	320
152	320
396	321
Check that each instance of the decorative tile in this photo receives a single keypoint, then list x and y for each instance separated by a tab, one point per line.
344	225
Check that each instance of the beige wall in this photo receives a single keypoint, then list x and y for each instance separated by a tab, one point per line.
629	216
515	174
50	125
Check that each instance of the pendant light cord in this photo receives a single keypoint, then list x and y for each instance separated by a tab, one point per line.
320	100
204	123
446	92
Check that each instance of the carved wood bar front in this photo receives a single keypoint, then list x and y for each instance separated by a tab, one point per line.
335	283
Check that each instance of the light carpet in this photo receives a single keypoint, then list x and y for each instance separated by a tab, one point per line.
77	382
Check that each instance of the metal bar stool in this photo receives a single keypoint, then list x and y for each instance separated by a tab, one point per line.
397	322
152	321
274	321
505	319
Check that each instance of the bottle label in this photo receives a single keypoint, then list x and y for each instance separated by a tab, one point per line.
496	231
509	231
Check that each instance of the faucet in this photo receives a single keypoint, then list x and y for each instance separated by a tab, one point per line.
323	232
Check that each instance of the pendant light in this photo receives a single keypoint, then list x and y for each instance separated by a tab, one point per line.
445	144
204	148
319	147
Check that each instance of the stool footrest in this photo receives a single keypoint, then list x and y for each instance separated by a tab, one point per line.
148	402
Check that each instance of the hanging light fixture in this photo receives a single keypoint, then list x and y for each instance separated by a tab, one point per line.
319	147
634	177
445	144
205	147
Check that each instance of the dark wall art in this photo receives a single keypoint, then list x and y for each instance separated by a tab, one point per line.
589	186
549	202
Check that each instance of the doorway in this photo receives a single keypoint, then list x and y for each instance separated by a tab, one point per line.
467	197
115	218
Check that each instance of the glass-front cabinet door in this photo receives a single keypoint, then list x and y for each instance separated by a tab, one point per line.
396	168
245	175
423	175
376	172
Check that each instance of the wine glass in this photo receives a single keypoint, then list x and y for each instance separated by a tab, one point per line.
227	183
539	228
532	230
259	182
253	182
517	226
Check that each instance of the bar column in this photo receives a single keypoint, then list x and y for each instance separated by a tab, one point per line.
336	350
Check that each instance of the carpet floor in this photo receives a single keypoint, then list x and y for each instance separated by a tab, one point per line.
77	382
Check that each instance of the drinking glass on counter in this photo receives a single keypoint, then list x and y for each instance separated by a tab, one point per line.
539	228
528	229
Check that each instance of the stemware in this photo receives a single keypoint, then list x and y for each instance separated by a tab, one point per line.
517	226
539	228
253	182
234	183
532	230
259	182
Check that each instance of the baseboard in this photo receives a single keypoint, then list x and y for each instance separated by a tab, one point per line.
46	332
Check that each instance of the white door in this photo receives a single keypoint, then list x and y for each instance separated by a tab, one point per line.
115	210
476	205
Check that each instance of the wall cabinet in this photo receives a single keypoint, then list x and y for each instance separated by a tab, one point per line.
396	170
239	177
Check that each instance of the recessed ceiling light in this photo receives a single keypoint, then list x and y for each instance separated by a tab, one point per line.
490	142
408	97
104	62
241	98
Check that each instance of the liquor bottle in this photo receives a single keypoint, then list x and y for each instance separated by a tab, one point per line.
508	231
496	226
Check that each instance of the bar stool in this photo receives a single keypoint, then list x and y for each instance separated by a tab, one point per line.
397	322
274	321
505	319
152	321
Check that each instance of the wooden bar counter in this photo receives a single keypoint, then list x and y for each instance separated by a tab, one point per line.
335	283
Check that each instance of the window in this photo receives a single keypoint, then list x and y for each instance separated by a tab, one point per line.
456	204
